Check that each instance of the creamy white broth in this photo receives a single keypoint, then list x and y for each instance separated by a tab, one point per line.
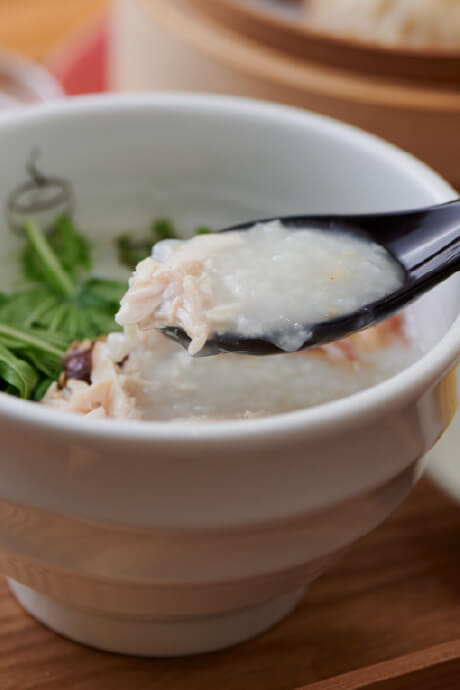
268	281
140	374
216	281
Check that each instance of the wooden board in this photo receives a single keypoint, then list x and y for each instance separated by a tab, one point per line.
395	593
32	27
432	669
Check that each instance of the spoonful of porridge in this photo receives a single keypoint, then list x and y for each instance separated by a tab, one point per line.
289	284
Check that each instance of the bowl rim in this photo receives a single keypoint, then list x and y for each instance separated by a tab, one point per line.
344	413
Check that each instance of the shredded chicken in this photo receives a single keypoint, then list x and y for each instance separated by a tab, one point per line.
178	292
351	351
104	396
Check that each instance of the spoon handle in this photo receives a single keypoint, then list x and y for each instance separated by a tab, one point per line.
430	247
426	242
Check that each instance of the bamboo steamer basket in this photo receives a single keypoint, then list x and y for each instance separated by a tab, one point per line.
294	35
408	96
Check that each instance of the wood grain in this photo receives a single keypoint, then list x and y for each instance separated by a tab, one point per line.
436	667
395	593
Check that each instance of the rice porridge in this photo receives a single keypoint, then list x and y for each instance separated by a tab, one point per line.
269	281
140	374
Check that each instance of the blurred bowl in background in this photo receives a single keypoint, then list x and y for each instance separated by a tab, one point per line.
192	45
287	26
23	82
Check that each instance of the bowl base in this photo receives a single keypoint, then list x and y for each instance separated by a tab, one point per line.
162	636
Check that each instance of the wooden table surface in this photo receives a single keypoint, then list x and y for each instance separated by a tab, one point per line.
33	27
395	593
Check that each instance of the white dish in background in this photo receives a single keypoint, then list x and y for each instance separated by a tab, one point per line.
174	538
25	82
281	8
444	461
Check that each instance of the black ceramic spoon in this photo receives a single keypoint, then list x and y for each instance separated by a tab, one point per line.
425	242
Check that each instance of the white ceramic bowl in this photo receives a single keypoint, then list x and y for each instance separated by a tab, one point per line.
162	539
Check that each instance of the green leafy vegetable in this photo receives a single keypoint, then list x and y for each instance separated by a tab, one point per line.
41	388
38	338
132	248
40	348
102	294
163	229
40	262
16	375
40	322
26	307
72	248
57	258
61	303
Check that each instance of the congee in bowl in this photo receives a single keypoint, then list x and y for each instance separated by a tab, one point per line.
268	278
225	485
82	342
